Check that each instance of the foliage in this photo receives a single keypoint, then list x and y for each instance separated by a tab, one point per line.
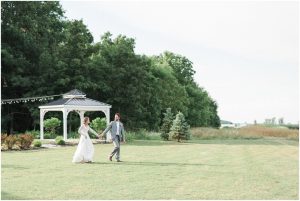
73	135
130	136
48	135
136	100
25	140
98	124
30	36
3	137
166	125
40	46
186	130
93	136
51	124
165	136
34	133
60	140
182	66
169	91
37	143
22	141
180	129
292	126
140	134
10	141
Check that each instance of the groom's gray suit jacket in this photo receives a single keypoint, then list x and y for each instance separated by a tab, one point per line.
113	129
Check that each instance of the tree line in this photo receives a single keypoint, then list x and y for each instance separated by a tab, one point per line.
44	53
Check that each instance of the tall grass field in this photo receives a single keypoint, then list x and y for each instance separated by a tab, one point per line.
248	132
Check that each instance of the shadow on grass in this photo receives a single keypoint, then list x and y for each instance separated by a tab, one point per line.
151	143
272	141
215	141
8	196
26	150
16	167
152	164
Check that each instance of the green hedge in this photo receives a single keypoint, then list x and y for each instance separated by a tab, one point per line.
37	143
59	140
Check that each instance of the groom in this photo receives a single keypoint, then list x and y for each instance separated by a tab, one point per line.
117	133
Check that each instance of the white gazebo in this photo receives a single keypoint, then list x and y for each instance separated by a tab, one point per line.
73	100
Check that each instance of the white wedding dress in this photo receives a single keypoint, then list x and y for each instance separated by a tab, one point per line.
85	148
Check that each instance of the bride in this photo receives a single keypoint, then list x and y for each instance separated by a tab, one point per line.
85	149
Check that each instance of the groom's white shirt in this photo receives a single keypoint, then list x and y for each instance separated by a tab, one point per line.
116	128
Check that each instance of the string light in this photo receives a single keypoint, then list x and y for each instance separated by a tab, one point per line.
25	100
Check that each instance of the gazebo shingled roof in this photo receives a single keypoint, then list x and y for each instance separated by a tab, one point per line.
76	101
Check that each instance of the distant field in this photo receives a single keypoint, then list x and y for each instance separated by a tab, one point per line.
248	132
154	169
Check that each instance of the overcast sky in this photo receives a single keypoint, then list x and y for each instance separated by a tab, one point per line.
245	53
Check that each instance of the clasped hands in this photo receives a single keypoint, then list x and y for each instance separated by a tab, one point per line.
100	135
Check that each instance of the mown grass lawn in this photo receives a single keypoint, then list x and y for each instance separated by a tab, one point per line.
204	169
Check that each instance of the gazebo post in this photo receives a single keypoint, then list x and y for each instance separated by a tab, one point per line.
42	113
81	115
65	119
107	115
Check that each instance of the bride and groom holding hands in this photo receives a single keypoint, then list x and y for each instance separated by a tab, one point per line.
85	149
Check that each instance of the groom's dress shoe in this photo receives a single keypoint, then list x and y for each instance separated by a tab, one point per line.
110	158
119	161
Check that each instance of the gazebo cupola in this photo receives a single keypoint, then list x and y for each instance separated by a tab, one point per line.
75	93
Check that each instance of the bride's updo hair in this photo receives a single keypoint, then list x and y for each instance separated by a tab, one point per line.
85	119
